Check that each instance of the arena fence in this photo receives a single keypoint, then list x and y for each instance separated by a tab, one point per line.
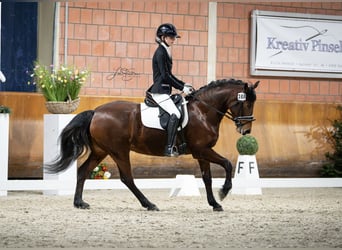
68	187
64	183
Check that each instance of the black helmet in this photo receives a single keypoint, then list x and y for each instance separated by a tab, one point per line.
167	29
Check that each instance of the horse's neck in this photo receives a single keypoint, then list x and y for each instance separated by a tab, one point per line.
219	99
213	104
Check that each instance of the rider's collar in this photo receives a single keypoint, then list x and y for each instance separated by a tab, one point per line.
167	48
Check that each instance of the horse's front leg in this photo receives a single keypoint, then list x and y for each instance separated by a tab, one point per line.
227	186
209	155
206	176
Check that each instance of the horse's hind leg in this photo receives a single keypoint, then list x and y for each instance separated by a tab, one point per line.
126	177
83	173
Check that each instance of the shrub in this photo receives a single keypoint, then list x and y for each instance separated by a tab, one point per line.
333	168
247	145
4	109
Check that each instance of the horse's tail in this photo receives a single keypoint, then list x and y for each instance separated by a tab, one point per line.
74	140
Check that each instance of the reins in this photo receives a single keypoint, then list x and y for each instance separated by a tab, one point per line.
237	120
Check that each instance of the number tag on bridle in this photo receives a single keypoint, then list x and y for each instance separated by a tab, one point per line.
241	96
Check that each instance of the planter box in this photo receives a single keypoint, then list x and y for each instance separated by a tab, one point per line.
4	138
246	178
53	126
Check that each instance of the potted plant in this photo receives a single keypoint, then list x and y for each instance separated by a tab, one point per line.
4	109
60	86
100	172
333	135
247	145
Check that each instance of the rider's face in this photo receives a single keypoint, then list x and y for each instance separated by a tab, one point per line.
170	40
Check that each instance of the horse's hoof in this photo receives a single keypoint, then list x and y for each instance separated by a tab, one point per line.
82	205
218	209
223	193
153	208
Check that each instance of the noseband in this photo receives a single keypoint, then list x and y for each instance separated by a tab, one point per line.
239	120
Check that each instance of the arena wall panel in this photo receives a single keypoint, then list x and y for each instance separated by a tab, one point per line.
290	143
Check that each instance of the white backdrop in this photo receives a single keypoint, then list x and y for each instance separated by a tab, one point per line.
299	43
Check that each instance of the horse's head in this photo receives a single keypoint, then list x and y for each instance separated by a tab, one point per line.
241	108
231	98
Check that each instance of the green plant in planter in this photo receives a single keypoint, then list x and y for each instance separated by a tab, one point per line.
247	145
4	110
59	84
333	168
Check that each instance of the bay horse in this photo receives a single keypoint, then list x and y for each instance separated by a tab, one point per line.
115	128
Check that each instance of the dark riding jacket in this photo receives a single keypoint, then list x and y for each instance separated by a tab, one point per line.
163	79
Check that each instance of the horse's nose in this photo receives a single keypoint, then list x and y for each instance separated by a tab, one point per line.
247	131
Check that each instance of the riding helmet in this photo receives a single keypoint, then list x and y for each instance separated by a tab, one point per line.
167	29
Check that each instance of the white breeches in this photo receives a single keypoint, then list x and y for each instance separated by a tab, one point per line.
166	103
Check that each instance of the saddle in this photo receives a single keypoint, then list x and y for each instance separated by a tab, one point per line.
163	115
153	116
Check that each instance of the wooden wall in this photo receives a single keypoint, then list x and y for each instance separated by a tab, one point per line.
284	130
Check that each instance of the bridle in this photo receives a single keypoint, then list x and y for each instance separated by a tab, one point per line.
239	120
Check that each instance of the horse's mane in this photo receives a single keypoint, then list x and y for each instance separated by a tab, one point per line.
214	84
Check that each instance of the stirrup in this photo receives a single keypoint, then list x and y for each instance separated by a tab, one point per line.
171	151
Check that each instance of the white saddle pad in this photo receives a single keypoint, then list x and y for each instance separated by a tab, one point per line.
150	116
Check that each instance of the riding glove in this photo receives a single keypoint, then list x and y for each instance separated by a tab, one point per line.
188	89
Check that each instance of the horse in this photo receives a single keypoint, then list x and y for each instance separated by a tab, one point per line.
115	128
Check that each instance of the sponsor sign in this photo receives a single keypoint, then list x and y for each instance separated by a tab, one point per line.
301	45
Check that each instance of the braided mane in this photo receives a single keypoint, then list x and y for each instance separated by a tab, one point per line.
214	84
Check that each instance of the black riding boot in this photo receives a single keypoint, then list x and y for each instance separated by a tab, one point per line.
171	135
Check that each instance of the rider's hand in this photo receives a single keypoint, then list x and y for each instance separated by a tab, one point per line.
188	89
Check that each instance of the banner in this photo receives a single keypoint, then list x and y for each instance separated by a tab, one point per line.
298	44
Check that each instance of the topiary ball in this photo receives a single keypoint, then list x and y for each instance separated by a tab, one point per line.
247	145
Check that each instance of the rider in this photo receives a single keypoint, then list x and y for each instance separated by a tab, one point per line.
164	80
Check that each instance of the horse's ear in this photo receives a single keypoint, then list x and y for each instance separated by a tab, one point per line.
256	85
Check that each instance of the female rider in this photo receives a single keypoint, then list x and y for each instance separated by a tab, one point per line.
164	80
